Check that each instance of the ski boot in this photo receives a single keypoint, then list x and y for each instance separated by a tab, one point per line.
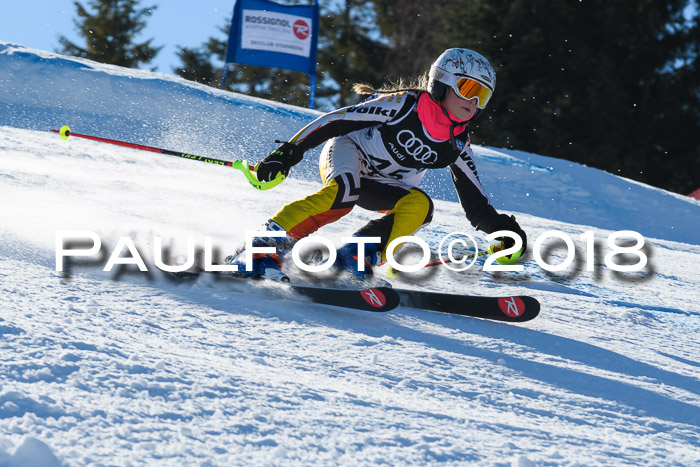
347	261
264	265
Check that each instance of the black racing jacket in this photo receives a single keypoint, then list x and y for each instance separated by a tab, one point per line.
397	149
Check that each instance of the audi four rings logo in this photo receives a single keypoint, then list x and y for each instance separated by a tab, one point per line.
416	148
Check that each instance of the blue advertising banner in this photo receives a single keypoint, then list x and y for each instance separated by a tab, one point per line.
265	33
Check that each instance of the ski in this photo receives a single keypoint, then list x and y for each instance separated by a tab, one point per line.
371	299
374	299
512	309
381	298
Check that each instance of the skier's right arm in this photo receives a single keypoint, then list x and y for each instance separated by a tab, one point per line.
278	161
348	119
337	123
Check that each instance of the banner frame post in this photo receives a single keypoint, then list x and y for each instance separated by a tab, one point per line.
312	81
224	76
312	91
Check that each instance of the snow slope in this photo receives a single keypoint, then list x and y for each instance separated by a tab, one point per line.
109	368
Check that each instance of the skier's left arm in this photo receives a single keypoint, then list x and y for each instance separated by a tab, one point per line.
477	206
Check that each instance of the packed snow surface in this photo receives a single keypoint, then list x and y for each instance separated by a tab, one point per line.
126	367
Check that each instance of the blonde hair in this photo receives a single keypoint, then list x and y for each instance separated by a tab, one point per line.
419	84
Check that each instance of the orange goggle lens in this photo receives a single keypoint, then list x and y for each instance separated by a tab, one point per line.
468	89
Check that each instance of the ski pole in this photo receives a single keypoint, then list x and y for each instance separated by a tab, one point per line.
243	166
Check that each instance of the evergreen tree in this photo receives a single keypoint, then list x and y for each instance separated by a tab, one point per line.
347	54
196	66
606	84
415	32
109	33
290	87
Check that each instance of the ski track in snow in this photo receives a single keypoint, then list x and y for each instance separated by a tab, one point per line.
104	369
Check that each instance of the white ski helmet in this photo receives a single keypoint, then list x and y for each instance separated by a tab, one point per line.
468	73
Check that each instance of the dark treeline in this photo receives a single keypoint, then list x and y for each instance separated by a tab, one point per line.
109	28
614	85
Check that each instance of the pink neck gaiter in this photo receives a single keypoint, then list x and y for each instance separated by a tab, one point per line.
434	120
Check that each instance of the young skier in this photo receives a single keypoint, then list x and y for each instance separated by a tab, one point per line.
376	154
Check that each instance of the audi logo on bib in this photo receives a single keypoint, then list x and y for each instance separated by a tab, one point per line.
415	148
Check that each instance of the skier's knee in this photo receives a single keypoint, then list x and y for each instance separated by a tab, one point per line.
417	205
305	216
347	191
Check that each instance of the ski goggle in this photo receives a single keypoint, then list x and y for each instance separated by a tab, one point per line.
466	88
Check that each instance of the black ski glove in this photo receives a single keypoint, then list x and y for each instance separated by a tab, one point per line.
280	160
506	222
